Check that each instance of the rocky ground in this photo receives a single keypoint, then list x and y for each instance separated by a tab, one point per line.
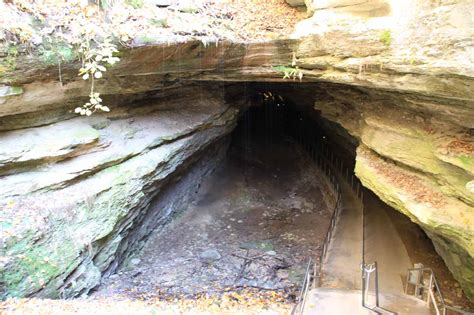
245	230
249	301
240	248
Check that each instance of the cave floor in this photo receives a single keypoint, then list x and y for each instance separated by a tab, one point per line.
254	224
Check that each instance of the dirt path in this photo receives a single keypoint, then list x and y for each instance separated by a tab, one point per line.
255	223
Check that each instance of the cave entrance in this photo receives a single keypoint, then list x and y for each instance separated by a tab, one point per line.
255	221
265	210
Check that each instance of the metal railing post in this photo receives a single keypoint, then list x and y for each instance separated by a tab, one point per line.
430	287
331	165
432	290
376	285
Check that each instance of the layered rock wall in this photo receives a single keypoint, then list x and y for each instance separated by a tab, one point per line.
80	195
411	154
397	76
410	107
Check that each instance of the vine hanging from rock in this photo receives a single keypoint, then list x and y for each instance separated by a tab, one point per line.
94	63
293	72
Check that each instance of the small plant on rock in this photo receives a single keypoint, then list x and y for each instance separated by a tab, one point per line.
136	4
94	64
292	72
386	37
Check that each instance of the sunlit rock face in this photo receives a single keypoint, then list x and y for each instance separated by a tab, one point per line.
417	160
367	8
418	47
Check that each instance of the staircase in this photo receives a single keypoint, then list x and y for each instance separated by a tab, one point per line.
342	282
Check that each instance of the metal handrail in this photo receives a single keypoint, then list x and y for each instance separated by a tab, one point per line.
357	189
299	306
328	161
367	269
324	167
434	293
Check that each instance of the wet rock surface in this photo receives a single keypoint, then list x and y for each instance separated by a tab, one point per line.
245	229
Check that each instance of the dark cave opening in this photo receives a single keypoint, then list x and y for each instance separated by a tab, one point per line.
248	227
254	222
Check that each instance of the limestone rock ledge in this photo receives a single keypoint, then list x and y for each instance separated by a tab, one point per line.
405	74
447	221
415	158
79	196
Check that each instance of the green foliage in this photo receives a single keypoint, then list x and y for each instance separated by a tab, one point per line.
191	10
386	37
57	53
106	4
136	4
289	72
146	39
8	64
10	60
48	57
94	64
159	22
292	72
